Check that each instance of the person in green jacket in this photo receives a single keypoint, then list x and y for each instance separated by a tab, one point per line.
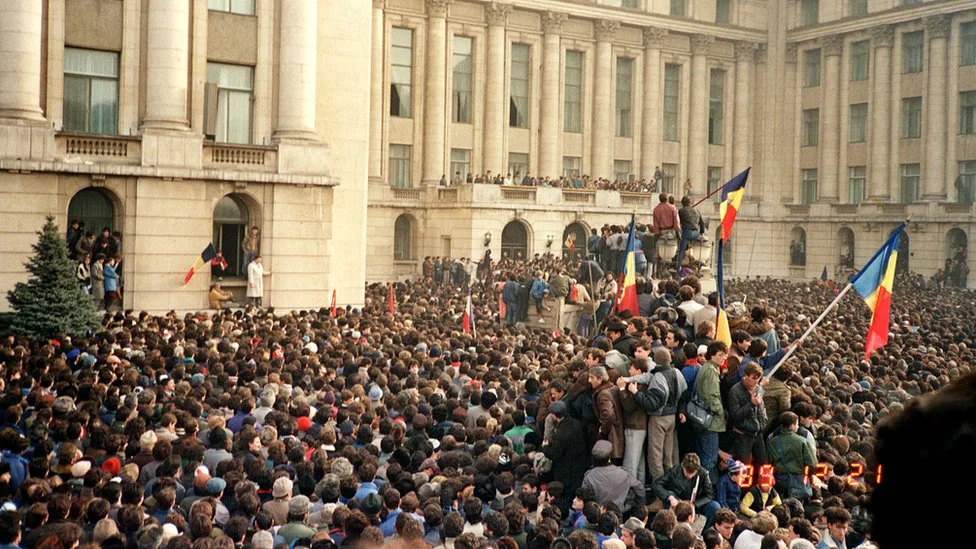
708	389
790	455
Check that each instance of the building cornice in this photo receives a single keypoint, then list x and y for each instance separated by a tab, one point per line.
891	17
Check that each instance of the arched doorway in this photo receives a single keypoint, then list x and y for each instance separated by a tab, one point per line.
798	247
904	253
574	241
845	246
93	208
956	266
403	249
957	244
515	240
230	224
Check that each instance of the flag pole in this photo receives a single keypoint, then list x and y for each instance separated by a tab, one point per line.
809	330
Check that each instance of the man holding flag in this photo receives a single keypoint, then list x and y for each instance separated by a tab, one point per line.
627	299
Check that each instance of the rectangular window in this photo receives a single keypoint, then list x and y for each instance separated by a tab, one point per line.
240	7
401	72
235	94
672	89
909	182
810	12
856	179
518	106
859	123
678	8
91	91
463	76
670	178
811	68
723	11
571	166
910	2
967	43
716	106
859	7
967	182
808	189
911	118
400	166
967	113
461	162
715	181
860	60
811	128
573	92
912	44
622	170
625	81
628	4
518	166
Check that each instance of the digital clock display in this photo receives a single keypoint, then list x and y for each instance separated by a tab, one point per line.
766	475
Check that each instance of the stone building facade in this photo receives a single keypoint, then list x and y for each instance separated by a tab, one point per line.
852	114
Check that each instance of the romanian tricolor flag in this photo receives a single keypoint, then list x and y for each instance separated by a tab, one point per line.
627	300
206	256
874	284
467	321
570	241
731	198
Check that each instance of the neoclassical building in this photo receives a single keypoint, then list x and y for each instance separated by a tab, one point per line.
185	122
328	125
853	114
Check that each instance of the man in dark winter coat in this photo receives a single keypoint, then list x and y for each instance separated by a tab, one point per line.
567	450
686	481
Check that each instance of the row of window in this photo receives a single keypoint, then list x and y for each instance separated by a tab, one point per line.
911	120
810	9
910	180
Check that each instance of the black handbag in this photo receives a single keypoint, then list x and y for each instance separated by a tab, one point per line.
698	413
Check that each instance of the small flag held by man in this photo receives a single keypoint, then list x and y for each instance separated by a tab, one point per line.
627	300
332	311
206	256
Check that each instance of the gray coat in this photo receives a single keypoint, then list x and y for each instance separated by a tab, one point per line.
98	281
613	483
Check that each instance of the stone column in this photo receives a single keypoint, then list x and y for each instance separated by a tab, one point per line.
435	96
742	121
549	126
601	161
698	111
882	39
296	70
833	46
20	60
376	93
934	184
653	101
167	65
495	103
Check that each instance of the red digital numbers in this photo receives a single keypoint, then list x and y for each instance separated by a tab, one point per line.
765	478
746	477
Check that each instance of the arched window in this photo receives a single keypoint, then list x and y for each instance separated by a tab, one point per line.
403	238
957	258
845	247
574	241
230	223
798	247
93	208
726	249
515	240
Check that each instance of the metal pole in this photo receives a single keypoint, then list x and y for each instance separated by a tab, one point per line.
820	318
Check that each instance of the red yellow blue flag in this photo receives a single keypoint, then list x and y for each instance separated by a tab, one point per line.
628	289
874	284
732	193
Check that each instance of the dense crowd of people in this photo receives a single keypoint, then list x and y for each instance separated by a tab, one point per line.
659	182
250	429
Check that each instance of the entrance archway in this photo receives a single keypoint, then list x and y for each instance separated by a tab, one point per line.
93	208
845	247
574	241
515	241
230	222
798	247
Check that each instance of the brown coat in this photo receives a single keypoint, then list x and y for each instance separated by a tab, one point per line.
606	406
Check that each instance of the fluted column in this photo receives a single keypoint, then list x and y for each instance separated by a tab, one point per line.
742	121
167	64
297	70
20	60
833	46
549	127
882	39
698	131
937	30
497	17
601	161
376	94
435	111
652	101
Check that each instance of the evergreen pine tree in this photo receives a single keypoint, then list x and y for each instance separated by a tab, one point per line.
51	301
